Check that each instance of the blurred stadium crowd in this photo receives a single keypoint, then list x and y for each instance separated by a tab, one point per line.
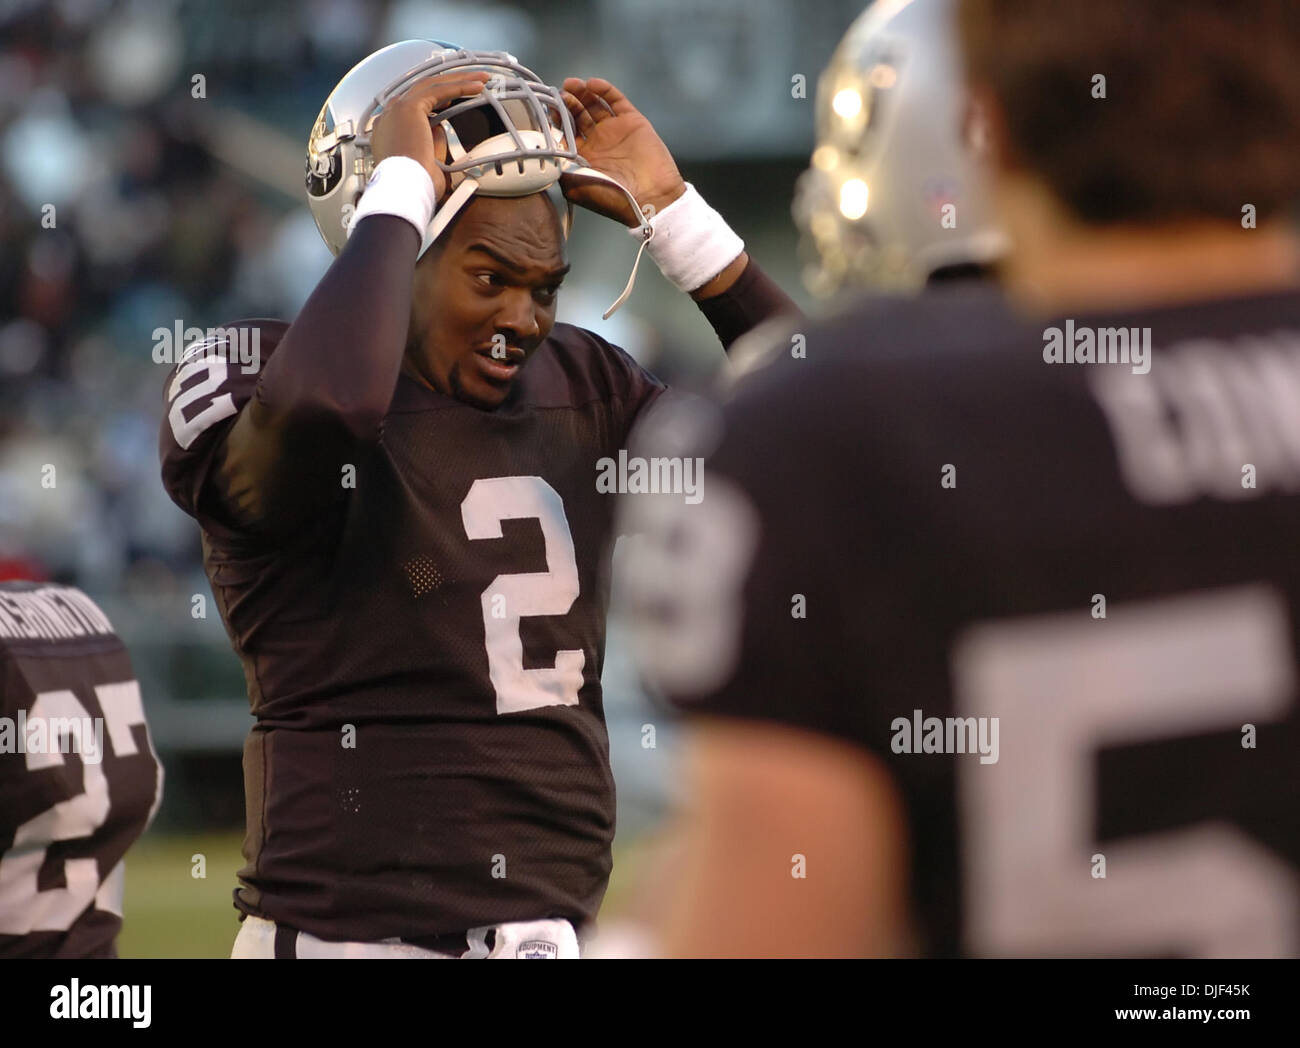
138	222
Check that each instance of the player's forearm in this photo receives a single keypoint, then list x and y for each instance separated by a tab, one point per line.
742	301
724	281
699	253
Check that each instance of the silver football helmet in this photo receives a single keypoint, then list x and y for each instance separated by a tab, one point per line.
893	194
514	138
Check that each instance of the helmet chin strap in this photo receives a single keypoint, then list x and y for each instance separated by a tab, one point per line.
645	230
442	216
469	186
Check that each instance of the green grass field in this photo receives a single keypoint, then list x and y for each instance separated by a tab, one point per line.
168	912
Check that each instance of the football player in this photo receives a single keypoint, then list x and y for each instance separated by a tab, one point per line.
79	779
987	631
401	515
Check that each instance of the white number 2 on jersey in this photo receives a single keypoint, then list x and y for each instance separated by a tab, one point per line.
213	368
1063	688
512	597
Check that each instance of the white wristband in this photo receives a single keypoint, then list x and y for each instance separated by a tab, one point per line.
692	243
398	186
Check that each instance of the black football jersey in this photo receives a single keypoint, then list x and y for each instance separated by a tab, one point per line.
79	779
424	658
1056	597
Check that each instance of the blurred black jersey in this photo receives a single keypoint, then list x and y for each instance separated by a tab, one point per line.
79	780
1057	600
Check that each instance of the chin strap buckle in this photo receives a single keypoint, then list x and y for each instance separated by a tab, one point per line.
645	230
647	233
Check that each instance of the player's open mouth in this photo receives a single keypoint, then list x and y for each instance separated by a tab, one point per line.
497	370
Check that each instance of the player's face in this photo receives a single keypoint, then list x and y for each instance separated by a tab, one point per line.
485	299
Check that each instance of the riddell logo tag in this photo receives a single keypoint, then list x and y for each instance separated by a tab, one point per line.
535	949
101	1002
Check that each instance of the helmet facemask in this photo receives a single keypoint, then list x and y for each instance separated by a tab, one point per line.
514	138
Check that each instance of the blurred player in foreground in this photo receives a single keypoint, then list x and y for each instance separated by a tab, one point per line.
914	156
79	779
403	517
986	630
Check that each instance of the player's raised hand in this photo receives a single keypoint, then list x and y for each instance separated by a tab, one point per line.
615	139
403	127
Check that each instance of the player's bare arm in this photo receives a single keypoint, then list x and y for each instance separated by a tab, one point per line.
829	886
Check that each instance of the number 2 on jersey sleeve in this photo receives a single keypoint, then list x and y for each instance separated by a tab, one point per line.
213	367
512	597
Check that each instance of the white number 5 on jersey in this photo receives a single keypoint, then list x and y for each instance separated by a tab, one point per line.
1065	687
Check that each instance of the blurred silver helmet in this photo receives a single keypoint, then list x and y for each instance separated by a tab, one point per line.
514	138
892	195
